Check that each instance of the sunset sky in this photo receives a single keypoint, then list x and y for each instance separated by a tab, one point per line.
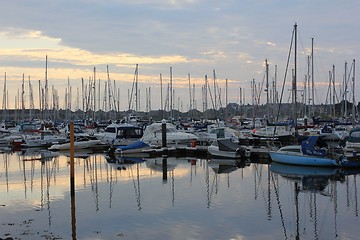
232	37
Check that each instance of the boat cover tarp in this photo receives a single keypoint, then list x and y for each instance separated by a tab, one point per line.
308	147
227	145
354	135
135	145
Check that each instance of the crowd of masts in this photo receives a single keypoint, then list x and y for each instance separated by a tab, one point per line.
92	98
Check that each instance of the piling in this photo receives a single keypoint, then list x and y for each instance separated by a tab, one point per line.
163	133
72	181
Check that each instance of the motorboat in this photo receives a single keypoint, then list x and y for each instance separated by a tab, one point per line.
226	148
214	131
120	134
80	142
45	138
153	135
281	133
133	149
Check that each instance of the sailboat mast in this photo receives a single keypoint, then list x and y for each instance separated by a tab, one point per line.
267	88
193	96
171	95
161	96
312	78
333	84
226	98
215	96
46	87
345	86
94	92
206	96
23	97
136	88
190	107
307	89
253	100
295	78
353	79
31	99
4	103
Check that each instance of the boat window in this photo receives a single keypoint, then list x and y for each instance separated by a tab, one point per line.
355	134
171	129
138	132
110	130
120	133
27	127
294	150
133	133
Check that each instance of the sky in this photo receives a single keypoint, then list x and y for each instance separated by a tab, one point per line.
195	38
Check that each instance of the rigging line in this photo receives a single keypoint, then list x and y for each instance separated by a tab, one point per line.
328	90
260	90
132	89
212	101
302	46
347	81
283	86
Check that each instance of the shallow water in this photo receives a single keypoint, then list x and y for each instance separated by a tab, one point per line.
190	199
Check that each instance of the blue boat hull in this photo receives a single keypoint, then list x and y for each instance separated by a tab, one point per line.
304	160
308	160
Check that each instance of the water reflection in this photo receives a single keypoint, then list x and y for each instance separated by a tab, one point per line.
311	182
311	179
222	168
194	198
220	165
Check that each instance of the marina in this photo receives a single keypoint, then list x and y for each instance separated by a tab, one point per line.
173	198
249	151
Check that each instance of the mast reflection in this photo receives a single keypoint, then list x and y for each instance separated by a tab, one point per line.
310	182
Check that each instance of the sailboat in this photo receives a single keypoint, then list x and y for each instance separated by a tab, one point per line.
309	153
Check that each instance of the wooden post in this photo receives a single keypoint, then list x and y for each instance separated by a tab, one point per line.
163	132
72	148
72	181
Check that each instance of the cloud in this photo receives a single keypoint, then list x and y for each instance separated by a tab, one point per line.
192	36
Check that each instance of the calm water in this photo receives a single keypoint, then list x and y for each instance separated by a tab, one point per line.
190	199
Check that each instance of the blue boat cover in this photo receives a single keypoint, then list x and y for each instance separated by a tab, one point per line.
135	145
308	147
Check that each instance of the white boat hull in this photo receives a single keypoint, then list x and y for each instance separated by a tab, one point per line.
77	145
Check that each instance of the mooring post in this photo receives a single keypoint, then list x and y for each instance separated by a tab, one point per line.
72	149
163	133
72	181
